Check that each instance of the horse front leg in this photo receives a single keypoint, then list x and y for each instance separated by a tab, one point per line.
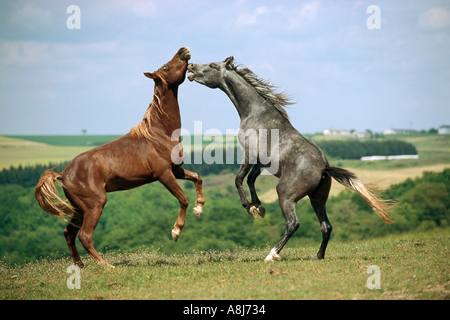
243	171
256	171
169	181
195	178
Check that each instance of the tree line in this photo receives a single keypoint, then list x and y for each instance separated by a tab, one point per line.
355	149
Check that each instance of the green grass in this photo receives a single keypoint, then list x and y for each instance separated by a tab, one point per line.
413	266
68	140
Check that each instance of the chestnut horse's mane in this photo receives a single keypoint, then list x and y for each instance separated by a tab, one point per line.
144	128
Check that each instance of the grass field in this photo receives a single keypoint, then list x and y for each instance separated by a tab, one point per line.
412	266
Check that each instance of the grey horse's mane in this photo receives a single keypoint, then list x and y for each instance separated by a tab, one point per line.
278	99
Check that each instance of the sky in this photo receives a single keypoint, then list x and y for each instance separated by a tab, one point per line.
341	73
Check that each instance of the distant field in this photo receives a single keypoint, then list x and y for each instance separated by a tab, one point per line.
69	140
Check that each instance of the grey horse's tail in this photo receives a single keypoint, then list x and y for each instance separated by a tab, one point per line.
351	181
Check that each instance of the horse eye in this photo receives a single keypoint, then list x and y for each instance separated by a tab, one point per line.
165	68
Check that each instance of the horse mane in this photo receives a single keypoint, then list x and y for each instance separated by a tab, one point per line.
144	128
278	99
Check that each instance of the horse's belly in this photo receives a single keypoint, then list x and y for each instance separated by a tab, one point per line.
118	183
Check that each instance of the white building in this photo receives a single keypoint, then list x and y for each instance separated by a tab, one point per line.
400	131
345	133
444	129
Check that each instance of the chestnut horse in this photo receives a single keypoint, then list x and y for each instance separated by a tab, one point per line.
142	156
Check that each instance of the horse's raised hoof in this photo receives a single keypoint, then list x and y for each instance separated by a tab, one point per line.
261	211
272	256
253	211
175	235
198	212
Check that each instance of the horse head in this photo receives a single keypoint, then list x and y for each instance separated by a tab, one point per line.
174	71
210	74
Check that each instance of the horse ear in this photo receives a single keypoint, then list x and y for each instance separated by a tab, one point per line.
229	62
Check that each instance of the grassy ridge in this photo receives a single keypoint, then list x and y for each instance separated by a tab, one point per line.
412	266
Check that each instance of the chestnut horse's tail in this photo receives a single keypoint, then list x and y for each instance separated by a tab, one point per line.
351	181
47	196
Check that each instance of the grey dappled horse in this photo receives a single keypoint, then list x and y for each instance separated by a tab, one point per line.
300	165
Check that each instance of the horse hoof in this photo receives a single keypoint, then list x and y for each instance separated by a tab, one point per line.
261	211
198	212
315	257
272	256
175	235
253	211
106	264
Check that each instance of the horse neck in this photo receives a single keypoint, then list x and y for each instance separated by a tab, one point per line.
165	115
242	94
170	118
162	114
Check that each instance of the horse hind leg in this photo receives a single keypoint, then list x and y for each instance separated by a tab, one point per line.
92	208
70	233
292	224
288	198
318	199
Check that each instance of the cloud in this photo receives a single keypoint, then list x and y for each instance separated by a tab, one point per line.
250	19
298	18
31	17
37	53
434	19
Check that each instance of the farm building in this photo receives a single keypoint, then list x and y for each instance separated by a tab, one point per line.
400	131
345	133
444	129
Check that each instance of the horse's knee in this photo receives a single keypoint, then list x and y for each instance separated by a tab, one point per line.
184	202
326	229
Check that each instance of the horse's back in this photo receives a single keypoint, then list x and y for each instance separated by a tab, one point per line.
114	163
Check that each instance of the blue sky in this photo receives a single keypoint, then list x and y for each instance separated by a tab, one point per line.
342	74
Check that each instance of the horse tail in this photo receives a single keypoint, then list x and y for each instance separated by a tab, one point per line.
47	196
351	181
